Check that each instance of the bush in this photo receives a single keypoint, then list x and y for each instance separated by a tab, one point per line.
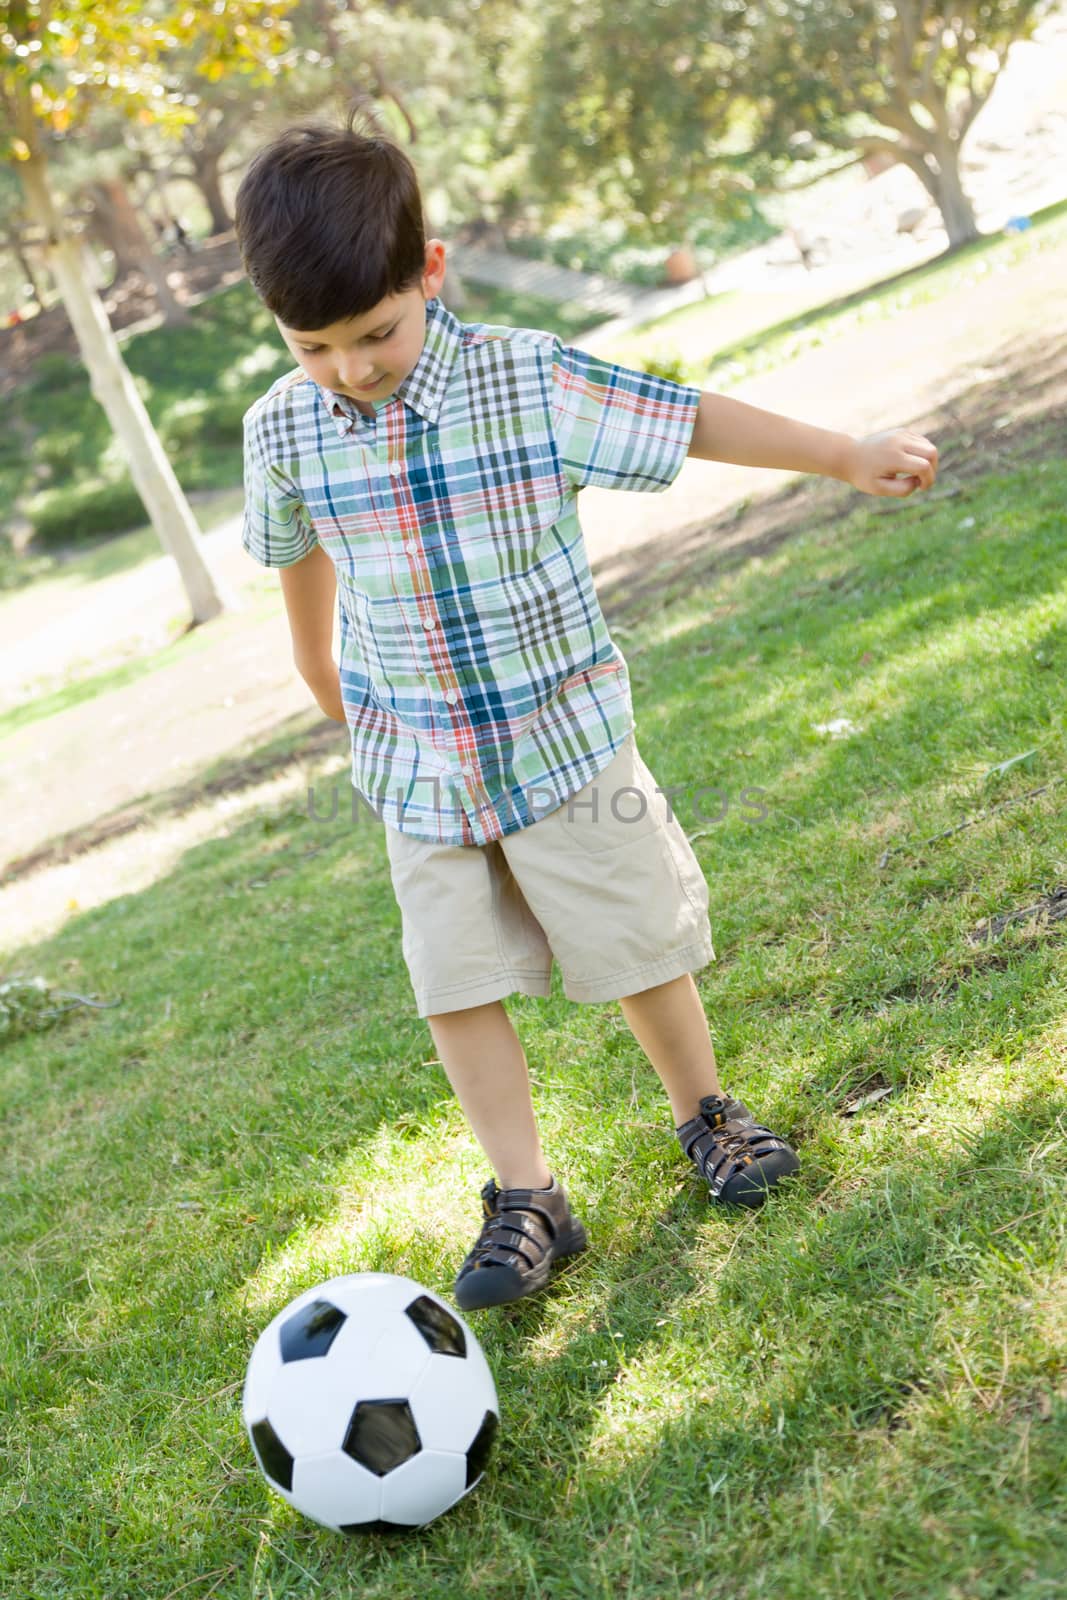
58	450
218	421
668	363
55	371
65	516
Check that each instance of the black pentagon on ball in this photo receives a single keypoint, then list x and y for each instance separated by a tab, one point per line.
311	1331
376	1525
381	1435
478	1454
438	1326
274	1458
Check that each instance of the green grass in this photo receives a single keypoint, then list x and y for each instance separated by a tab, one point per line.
858	1392
685	330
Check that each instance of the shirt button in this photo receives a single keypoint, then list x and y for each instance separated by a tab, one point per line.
451	696
410	546
396	468
428	622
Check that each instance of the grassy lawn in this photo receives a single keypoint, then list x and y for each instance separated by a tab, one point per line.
859	1392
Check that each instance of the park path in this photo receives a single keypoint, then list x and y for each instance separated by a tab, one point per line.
235	684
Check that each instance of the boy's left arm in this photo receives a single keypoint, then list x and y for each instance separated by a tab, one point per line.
896	462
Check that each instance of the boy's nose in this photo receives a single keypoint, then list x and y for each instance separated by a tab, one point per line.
356	377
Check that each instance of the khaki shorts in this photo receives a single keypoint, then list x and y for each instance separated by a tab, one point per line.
620	901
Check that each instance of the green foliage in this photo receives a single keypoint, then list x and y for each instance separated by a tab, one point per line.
53	371
906	78
218	420
668	362
607	246
56	70
84	511
625	106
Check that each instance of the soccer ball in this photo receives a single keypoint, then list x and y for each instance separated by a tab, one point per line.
369	1403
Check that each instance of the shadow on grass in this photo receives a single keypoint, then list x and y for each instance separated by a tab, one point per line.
1001	424
823	1333
831	1334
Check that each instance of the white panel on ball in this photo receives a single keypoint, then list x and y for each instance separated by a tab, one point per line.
423	1487
451	1398
304	1408
334	1489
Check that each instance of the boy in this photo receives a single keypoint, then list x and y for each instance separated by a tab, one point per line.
426	471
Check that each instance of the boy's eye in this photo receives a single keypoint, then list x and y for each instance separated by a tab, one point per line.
375	338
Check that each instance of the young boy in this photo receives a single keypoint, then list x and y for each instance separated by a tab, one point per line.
427	470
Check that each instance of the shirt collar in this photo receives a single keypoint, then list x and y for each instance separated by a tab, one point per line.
424	387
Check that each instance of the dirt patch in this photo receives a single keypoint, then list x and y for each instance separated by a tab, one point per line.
242	772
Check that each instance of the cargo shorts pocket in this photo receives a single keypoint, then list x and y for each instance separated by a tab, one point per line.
616	807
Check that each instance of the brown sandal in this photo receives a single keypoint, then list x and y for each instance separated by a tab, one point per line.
524	1231
739	1158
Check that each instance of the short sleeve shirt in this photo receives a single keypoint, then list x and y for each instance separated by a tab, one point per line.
480	684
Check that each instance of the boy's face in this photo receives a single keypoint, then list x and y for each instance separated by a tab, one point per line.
369	356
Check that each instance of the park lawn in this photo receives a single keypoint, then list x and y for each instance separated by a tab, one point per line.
857	1392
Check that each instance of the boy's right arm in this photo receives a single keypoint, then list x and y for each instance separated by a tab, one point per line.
309	587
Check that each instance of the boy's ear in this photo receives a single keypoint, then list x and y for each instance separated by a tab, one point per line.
434	275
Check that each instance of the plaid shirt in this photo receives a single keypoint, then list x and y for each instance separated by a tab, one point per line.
480	684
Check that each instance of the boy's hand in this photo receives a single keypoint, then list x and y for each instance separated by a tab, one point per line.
895	463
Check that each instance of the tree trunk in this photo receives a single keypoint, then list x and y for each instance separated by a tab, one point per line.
941	175
18	250
113	386
153	188
206	177
103	228
120	220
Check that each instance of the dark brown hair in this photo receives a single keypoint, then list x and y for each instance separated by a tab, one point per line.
329	221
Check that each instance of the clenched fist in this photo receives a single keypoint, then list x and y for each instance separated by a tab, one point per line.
896	462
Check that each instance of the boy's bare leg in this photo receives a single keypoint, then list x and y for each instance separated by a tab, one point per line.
485	1063
669	1024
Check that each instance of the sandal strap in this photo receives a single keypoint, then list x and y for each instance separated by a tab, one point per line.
724	1138
515	1226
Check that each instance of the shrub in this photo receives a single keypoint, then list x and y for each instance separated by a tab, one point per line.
218	421
67	515
55	371
668	363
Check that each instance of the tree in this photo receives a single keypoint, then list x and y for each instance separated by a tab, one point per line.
59	59
632	104
904	77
